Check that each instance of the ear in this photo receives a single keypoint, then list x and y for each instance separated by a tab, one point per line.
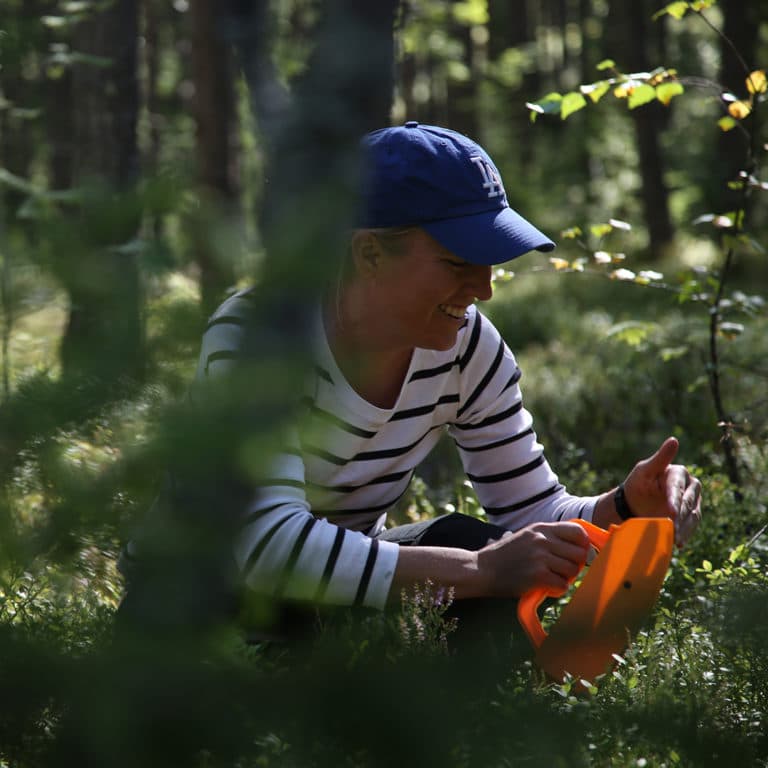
366	253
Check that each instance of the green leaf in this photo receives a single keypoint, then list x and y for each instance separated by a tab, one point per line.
726	123
672	353
641	95
702	5
677	10
667	91
572	102
471	13
606	64
596	91
737	553
632	332
548	105
598	230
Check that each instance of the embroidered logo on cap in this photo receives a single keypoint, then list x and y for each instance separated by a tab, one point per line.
491	180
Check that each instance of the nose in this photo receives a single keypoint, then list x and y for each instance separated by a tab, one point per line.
480	281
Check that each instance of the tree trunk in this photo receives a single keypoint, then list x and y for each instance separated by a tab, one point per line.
461	102
104	332
509	27
214	116
741	25
637	48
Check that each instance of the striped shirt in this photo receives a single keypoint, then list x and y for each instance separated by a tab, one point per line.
309	532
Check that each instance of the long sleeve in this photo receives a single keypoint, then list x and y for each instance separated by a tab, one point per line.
497	443
283	549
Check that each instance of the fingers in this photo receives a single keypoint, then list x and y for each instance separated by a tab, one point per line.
567	551
677	481
539	555
663	457
689	514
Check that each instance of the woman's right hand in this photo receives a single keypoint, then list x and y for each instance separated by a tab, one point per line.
539	555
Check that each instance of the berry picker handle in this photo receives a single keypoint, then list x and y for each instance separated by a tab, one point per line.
528	605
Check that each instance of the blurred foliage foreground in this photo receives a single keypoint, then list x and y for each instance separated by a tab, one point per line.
610	368
380	690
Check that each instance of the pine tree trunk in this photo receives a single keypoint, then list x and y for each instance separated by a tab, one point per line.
104	333
214	115
637	46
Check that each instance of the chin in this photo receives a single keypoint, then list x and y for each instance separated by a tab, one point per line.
440	345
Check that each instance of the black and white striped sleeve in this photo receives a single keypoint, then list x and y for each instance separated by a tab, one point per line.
497	443
282	549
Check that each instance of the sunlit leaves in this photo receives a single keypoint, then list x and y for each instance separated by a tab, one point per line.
549	105
558	263
603	257
501	275
599	230
633	332
471	13
739	109
676	10
679	8
673	353
624	89
638	88
718	220
644	94
595	91
572	102
757	82
571	233
648	276
667	91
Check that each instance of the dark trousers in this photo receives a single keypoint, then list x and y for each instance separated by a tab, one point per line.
455	530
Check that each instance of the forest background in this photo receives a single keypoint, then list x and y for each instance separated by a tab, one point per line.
154	156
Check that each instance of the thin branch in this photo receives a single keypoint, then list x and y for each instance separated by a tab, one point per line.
727	40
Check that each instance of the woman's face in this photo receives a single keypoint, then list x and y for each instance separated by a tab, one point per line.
418	296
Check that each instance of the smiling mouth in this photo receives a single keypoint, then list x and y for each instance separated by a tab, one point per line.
457	313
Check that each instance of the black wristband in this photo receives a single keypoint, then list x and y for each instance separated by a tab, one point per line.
620	500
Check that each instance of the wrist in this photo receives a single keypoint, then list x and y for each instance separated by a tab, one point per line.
623	510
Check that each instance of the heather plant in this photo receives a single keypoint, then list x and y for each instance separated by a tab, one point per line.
422	621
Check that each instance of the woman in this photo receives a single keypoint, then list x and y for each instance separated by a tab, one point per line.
403	355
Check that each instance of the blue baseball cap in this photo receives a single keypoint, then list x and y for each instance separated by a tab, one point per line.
445	183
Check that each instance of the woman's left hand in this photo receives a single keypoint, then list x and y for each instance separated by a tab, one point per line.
658	488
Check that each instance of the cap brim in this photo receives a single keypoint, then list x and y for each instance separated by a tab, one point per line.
492	237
